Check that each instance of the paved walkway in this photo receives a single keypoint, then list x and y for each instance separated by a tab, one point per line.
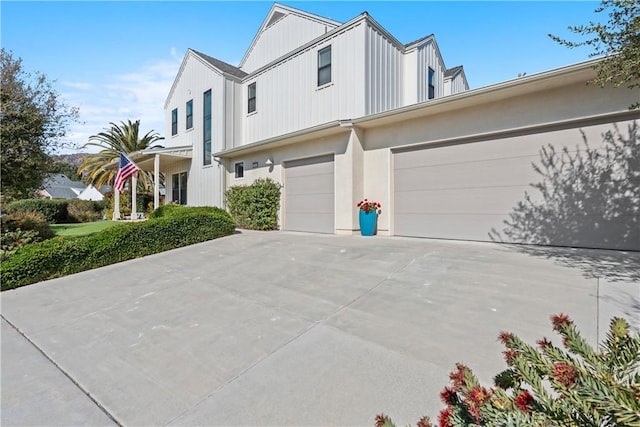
289	328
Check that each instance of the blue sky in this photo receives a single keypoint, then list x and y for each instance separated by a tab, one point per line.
117	60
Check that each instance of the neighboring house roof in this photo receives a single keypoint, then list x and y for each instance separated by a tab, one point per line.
221	65
59	186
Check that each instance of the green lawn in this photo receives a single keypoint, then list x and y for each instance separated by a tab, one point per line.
81	229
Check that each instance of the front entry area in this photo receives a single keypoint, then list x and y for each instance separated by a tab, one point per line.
309	195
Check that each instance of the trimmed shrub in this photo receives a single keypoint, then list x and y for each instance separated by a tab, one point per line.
12	240
84	210
61	256
256	206
54	210
27	221
549	385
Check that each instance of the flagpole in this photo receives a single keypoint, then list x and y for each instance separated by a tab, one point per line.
134	187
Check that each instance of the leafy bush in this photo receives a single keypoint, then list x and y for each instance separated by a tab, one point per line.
125	204
61	256
12	240
54	210
255	206
84	210
173	210
549	386
27	221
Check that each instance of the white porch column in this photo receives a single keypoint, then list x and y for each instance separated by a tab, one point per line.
116	205
156	182
134	187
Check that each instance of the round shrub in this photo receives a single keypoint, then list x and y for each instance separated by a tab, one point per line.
27	221
54	210
255	206
84	211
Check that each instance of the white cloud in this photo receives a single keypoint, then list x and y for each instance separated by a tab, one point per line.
138	94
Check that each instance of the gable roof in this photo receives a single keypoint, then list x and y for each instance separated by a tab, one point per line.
59	186
221	65
452	72
277	12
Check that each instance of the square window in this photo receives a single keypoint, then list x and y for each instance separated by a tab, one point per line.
324	66
239	170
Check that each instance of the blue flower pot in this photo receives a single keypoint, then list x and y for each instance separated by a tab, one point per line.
368	223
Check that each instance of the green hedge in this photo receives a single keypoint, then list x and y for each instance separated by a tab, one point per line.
61	256
54	210
256	206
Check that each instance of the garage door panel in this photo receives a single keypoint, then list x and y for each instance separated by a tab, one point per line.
311	184
321	203
491	200
309	190
487	173
447	226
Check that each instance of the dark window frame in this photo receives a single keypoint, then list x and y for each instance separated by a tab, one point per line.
179	191
431	83
174	122
238	171
322	80
251	100
189	114
207	127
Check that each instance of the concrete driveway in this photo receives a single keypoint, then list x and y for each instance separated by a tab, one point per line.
289	328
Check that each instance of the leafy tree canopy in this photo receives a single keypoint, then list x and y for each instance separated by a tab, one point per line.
618	39
33	123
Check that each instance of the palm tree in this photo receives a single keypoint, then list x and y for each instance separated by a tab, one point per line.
123	138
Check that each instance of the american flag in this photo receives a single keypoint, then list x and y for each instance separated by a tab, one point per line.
125	170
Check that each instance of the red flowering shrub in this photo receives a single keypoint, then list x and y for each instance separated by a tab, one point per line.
368	206
587	387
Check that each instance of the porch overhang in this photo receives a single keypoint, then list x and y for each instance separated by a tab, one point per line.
145	159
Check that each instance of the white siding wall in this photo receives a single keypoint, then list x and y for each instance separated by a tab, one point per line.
428	57
384	73
458	85
285	35
196	78
410	81
288	98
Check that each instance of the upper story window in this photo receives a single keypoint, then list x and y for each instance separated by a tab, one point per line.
432	84
251	98
324	66
174	122
239	170
206	130
189	110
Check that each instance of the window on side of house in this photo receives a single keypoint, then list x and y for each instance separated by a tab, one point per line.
324	66
251	98
179	188
189	110
206	120
174	122
432	83
239	170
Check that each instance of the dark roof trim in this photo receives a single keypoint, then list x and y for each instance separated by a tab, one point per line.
452	72
221	65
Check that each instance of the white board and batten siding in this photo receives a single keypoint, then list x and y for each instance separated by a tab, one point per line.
195	79
285	34
288	98
427	57
384	72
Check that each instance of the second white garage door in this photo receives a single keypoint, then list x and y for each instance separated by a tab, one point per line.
465	191
309	195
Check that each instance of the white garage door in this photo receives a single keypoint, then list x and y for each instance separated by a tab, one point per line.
465	191
309	195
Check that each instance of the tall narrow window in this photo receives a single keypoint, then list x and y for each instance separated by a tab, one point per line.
432	84
206	116
174	122
189	114
324	66
179	188
239	170
251	99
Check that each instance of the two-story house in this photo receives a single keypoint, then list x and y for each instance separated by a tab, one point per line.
337	112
